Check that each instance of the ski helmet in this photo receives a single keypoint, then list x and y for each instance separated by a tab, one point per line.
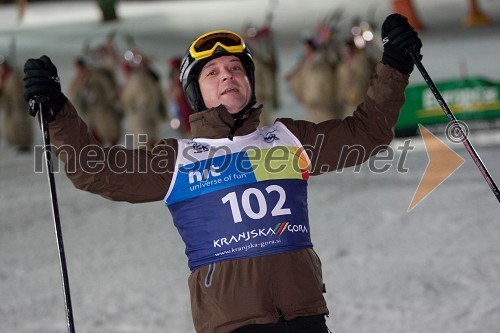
209	46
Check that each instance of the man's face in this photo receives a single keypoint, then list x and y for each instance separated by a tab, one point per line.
224	81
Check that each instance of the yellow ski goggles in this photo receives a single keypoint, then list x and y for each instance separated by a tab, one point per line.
205	45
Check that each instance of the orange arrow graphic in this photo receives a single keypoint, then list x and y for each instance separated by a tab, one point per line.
443	161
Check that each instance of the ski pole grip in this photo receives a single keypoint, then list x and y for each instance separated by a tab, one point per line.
39	99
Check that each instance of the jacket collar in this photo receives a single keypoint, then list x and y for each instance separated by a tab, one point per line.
215	123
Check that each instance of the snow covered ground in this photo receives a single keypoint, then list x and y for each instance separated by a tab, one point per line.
434	269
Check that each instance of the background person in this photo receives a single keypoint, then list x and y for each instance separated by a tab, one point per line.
17	126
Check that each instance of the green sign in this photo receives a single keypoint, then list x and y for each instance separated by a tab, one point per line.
469	99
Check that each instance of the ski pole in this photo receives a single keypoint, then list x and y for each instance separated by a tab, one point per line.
455	124
40	100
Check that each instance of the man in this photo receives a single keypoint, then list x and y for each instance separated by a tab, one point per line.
353	74
313	81
237	193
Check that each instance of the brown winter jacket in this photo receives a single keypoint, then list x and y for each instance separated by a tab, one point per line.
235	293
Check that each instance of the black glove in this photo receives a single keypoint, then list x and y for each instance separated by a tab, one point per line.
398	37
41	80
